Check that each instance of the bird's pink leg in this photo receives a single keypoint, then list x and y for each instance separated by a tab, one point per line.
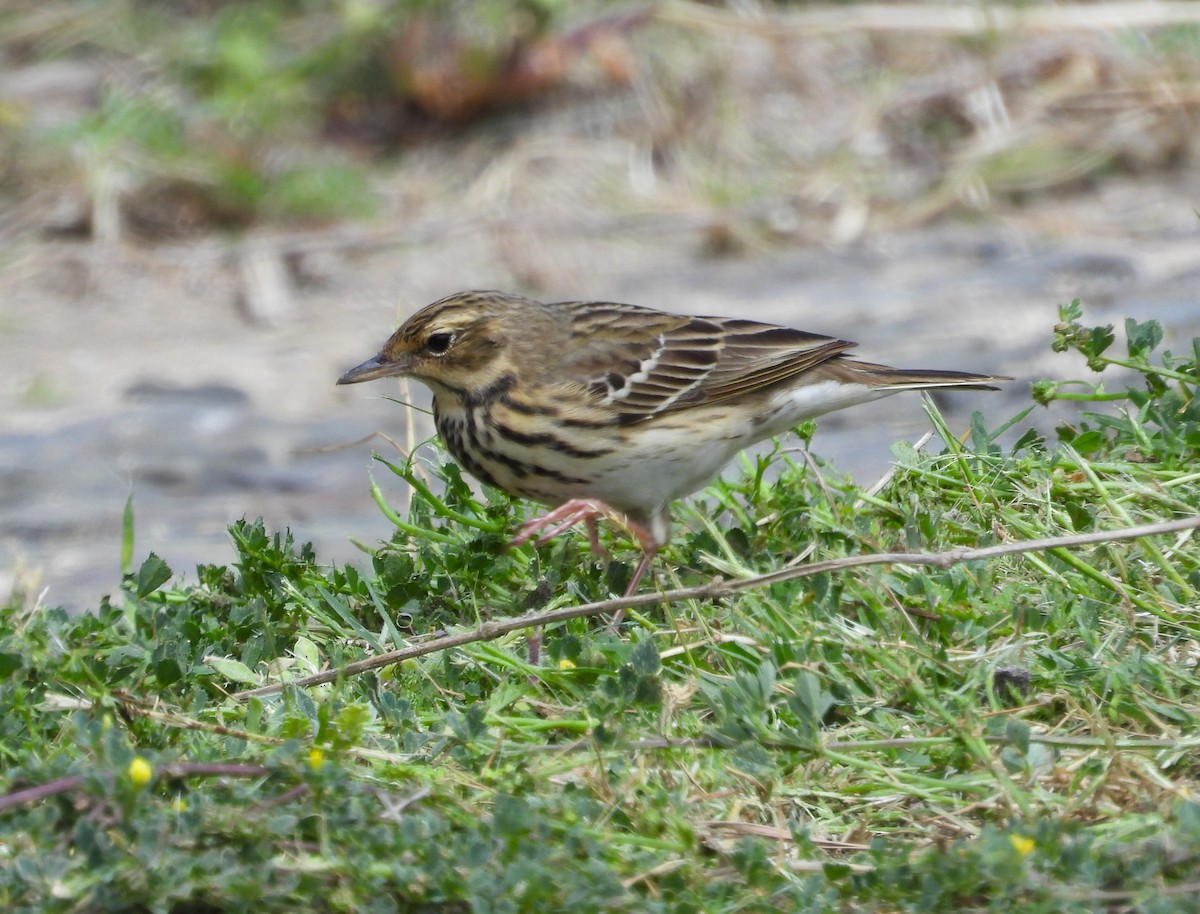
565	516
588	510
593	535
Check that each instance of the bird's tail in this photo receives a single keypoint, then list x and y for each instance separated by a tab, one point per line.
882	377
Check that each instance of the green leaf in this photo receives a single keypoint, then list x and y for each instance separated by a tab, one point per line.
836	872
301	702
1012	760
127	538
233	670
9	663
750	757
1017	733
1030	439
1094	344
811	703
306	652
1082	518
511	816
644	658
1188	817
980	437
153	574
1089	442
167	671
1144	338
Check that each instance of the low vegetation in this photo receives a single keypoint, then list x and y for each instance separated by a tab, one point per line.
1016	732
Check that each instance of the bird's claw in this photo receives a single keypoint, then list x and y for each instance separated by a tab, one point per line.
589	511
565	516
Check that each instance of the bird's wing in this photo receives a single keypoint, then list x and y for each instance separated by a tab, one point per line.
755	355
641	363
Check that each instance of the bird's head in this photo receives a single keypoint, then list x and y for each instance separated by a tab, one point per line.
455	345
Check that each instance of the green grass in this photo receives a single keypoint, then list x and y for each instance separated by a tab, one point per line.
1012	733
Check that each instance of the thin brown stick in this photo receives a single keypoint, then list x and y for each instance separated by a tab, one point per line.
775	833
938	18
490	631
664	743
172	771
1118	895
31	795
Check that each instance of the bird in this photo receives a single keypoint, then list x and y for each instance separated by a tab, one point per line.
598	409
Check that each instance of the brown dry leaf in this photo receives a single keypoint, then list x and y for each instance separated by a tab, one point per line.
453	78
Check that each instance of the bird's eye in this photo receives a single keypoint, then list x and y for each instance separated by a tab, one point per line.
438	343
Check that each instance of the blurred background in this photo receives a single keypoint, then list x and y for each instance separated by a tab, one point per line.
209	210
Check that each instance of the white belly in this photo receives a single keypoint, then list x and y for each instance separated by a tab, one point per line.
679	453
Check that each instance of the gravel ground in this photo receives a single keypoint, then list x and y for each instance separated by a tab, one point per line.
137	371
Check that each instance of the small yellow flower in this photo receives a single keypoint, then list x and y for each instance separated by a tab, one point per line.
316	758
1022	845
140	772
179	804
566	664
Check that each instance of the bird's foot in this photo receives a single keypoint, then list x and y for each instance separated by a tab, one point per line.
588	510
565	516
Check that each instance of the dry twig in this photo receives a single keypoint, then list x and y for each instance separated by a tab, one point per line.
939	19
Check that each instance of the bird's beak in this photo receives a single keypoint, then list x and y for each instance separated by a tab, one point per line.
374	368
